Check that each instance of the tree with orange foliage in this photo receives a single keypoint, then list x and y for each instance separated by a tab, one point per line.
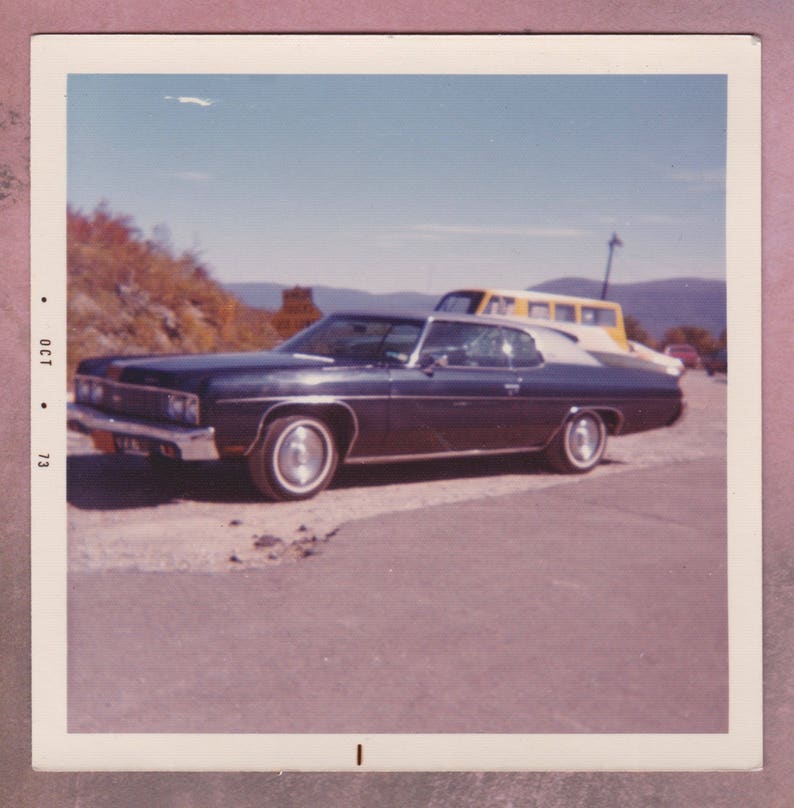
127	294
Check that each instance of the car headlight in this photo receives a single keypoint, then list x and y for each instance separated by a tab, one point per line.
82	389
88	390
176	407
192	411
183	407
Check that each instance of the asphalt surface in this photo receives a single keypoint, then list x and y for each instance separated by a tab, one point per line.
598	606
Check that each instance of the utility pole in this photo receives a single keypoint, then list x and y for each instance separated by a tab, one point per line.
613	242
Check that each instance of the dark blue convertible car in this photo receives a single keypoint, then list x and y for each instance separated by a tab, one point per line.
367	388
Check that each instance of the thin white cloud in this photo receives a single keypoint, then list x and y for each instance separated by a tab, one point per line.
639	218
192	176
712	177
437	233
189	99
400	239
498	230
658	218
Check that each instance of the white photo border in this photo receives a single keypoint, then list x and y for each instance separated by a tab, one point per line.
55	57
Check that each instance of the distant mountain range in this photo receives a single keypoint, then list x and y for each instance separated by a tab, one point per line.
657	305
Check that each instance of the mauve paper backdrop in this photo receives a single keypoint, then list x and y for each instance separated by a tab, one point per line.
20	787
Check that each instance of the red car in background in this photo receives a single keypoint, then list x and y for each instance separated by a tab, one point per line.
686	353
716	361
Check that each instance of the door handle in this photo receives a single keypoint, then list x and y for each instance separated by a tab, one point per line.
512	388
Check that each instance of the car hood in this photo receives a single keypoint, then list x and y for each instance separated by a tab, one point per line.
188	370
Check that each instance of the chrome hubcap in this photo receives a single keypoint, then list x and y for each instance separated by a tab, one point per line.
301	456
584	439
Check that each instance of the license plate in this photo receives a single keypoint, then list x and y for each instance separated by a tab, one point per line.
104	441
129	445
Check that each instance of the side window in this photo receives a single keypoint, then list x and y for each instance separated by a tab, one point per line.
399	343
467	345
539	311
461	302
564	313
522	348
501	305
598	316
607	317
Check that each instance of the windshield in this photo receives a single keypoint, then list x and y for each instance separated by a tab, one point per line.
357	338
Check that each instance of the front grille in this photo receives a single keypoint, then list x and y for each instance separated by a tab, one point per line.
135	400
131	399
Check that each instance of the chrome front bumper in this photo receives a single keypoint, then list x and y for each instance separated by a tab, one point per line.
193	443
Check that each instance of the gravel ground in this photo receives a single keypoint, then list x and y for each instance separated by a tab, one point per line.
208	518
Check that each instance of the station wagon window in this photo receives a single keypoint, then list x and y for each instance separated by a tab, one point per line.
564	313
522	349
460	302
501	305
540	311
467	345
598	316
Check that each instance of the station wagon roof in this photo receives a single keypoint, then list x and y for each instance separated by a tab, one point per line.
444	316
454	317
533	295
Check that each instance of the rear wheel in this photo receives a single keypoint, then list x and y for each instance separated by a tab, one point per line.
296	459
579	445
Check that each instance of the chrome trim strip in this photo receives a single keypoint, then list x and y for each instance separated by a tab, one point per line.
413	359
621	417
464	397
574	410
327	359
194	443
352	461
306	399
594	402
331	400
474	368
311	400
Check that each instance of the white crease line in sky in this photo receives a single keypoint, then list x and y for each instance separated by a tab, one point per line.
188	99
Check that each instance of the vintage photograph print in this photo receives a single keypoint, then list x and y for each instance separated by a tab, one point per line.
381	403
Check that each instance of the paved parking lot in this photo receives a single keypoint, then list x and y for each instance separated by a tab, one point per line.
476	598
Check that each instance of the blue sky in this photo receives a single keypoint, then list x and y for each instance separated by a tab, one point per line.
423	183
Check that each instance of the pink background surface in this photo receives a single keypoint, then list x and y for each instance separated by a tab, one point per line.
774	23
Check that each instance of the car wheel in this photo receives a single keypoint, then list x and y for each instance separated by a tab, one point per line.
579	445
296	459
